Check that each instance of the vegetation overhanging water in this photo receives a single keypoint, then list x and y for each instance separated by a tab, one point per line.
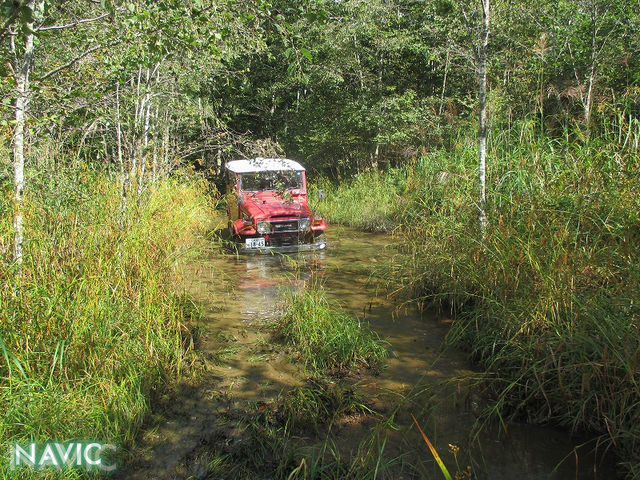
113	114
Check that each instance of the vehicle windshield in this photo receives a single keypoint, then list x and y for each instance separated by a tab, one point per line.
271	181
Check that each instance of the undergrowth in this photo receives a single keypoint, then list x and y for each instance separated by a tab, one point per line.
325	337
547	299
369	202
91	326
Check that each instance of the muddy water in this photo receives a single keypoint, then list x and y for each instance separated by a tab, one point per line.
243	367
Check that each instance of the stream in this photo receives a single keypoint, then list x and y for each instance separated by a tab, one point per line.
243	370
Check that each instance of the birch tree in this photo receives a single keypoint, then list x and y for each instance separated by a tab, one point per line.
21	48
482	114
478	35
587	29
22	22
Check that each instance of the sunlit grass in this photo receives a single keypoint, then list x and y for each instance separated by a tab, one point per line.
93	327
370	202
547	301
326	338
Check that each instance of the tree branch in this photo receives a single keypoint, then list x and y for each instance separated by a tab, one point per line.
70	62
73	24
7	25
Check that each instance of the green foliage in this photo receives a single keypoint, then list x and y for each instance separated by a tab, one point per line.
319	402
267	444
325	338
547	302
92	327
355	99
370	201
342	86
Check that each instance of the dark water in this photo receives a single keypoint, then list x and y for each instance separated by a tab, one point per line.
239	297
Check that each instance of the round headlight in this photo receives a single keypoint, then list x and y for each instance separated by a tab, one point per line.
303	224
263	227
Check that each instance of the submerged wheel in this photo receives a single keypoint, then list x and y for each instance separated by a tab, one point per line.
229	238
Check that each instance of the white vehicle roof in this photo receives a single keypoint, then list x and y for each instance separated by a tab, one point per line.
263	165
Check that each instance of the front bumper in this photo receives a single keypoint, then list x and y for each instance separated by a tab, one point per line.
318	243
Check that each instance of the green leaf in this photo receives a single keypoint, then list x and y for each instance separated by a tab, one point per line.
443	469
307	54
109	6
27	13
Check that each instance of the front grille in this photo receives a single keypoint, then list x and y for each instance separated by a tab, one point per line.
282	226
282	241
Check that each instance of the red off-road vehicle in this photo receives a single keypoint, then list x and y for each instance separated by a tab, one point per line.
267	207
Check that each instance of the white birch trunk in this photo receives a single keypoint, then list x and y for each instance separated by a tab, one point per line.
592	71
143	159
146	113
444	81
154	164
482	104
22	68
124	173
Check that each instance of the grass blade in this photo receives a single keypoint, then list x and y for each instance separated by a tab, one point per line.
439	461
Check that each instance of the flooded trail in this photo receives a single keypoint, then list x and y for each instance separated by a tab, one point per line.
244	370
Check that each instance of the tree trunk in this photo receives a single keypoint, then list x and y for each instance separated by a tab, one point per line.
154	164
22	68
482	104
124	173
146	110
444	80
592	71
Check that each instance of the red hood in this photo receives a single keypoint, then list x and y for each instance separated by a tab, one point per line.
263	205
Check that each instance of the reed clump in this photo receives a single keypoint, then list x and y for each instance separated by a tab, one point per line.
324	337
548	298
319	402
91	326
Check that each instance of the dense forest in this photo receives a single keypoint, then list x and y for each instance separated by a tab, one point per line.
343	85
117	118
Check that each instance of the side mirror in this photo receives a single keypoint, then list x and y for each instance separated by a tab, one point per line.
320	194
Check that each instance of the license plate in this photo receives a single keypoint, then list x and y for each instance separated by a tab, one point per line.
255	242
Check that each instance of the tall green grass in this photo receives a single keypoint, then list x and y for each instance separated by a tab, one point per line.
319	402
324	337
548	299
93	326
370	202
